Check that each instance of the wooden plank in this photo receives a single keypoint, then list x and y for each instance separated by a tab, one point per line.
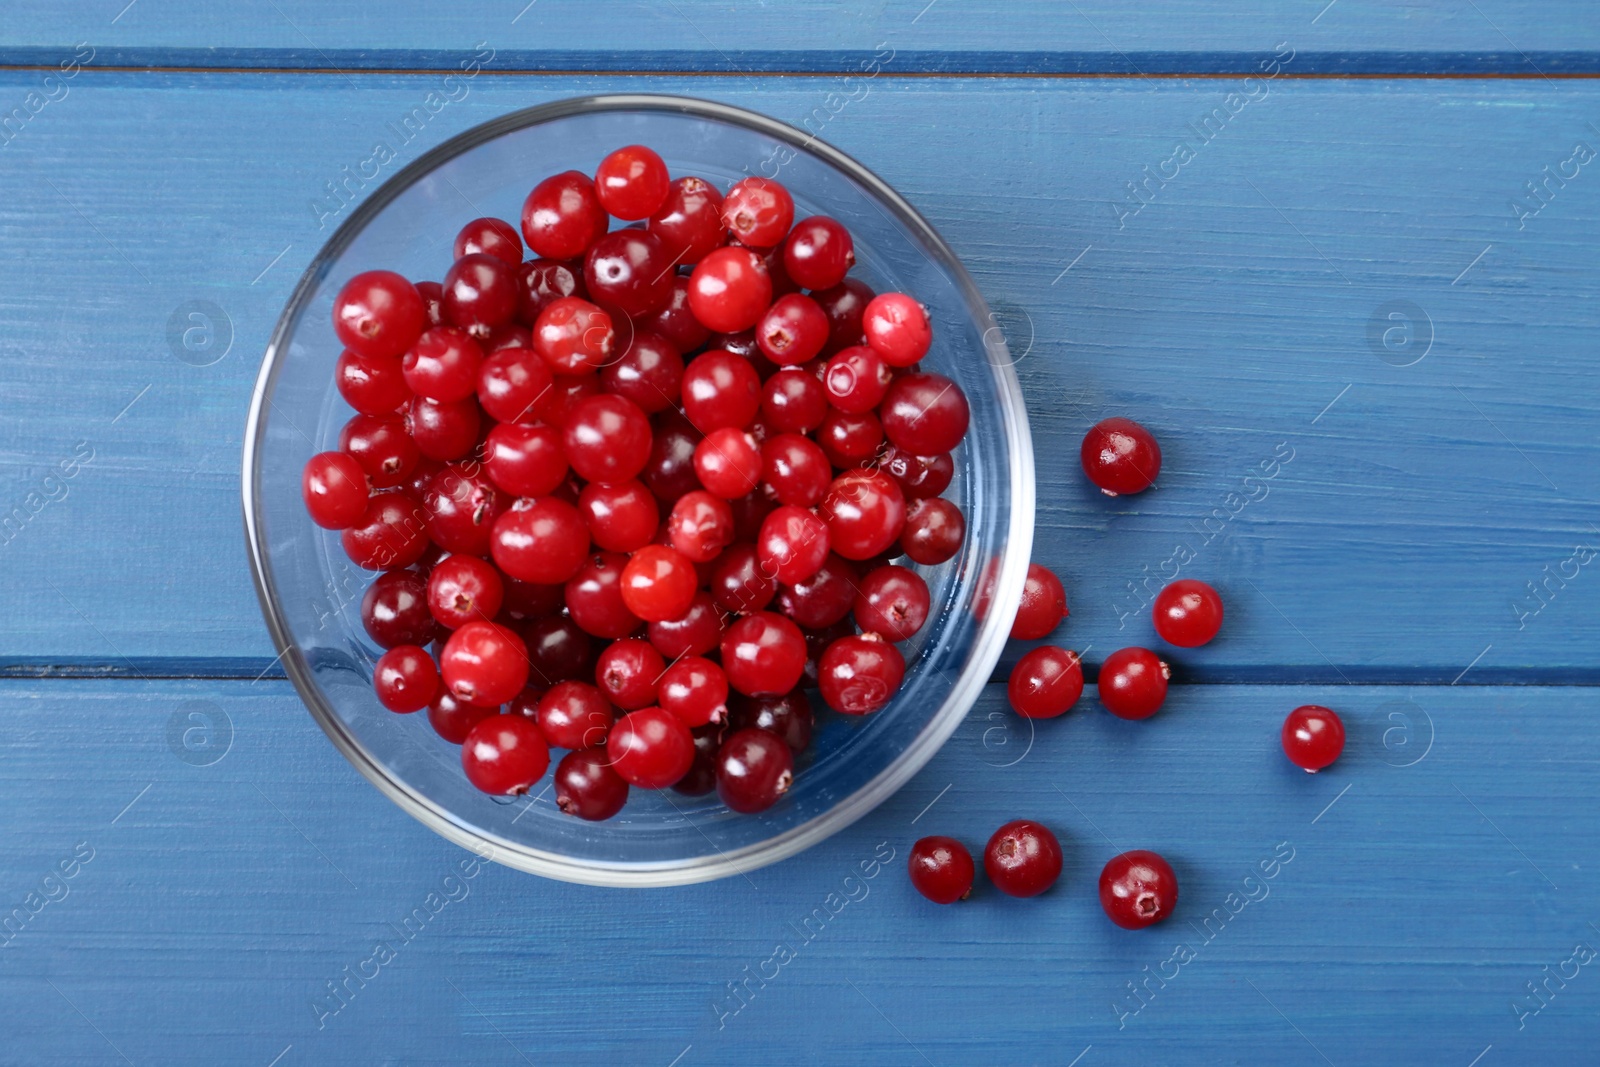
1417	887
1231	313
928	35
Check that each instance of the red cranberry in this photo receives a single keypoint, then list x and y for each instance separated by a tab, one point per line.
720	389
941	869
763	654
865	513
754	769
729	289
1133	683
670	470
897	329
373	385
793	544
700	526
621	516
462	589
1044	604
796	469
694	633
627	673
793	401
524	460
567	392
1022	859
484	663
758	212
1120	456
587	786
649	373
463	505
859	674
540	540
924	414
844	304
737	581
558	649
743	344
1045	683
650	748
394	610
334	488
1313	737
454	719
391	533
824	598
629	270
514	385
504	755
892	601
658	583
607	438
792	331
541	282
818	253
695	690
378	314
574	715
508	335
480	293
405	679
492	237
631	182
1138	889
856	380
444	431
596	599
728	463
380	444
563	216
933	532
676	322
818	643
574	336
920	477
689	221
787	717
1187	613
849	440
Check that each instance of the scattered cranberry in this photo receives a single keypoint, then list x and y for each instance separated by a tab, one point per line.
758	212
856	380
563	216
381	445
818	253
793	544
373	385
1022	859
574	715
728	462
444	431
631	182
463	505
859	674
1133	683
701	778
1120	456
933	532
627	672
1138	889
720	389
504	755
1313	737
730	289
334	488
463	589
494	237
763	654
524	460
588	787
621	516
1187	613
700	526
689	221
865	512
629	270
897	329
794	401
649	372
394	610
739	583
1045	682
1044	604
695	690
892	601
484	663
920	477
924	414
405	679
650	748
607	439
754	769
941	869
595	599
514	385
391	533
793	330
480	293
540	540
658	583
378	314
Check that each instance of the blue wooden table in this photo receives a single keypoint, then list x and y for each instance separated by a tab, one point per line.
1359	310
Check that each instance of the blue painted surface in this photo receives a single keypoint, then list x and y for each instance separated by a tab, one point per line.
1233	311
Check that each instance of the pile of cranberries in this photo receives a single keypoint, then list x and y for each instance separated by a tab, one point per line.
638	491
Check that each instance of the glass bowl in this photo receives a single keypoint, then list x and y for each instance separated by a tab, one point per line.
311	594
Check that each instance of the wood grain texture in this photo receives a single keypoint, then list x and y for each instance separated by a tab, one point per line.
1233	313
1436	869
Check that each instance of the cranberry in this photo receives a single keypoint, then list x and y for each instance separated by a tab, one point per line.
586	785
621	516
720	389
573	336
1133	683
920	477
508	335
432	294
541	282
700	526
675	321
787	717
824	598
754	769
844	304
701	777
530	600
1044	604
728	463
865	513
669	473
941	869
627	672
514	385
796	469
1138	889
463	505
484	663
454	719
373	385
524	460
743	344
1045	683
1022	859
818	253
649	373
493	237
334	488
631	182
758	212
380	444
540	540
558	649
695	690
848	439
1313	737
730	289
694	633
897	329
480	293
892	601
856	380
793	401
817	644
378	314
566	392
738	582
444	431
650	748
504	755
629	270
763	654
933	532
607	438
1120	456
924	414
391	533
574	715
563	216
793	544
405	679
658	583
858	674
1187	613
394	610
596	599
689	221
793	330
462	589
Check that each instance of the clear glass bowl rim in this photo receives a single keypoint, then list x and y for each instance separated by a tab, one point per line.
988	642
